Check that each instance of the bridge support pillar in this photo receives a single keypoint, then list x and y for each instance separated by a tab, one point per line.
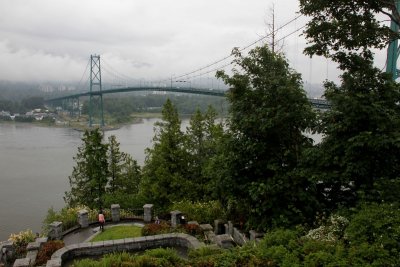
96	96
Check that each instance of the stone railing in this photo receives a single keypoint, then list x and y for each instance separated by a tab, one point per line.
128	244
56	228
223	234
32	252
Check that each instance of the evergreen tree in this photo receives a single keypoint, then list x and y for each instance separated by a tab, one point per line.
89	177
202	136
164	172
124	179
269	114
115	162
132	176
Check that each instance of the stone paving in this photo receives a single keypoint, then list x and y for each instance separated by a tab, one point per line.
84	235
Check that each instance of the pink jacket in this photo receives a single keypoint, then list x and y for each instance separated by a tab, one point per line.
101	218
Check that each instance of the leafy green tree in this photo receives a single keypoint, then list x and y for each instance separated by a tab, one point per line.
268	116
359	155
89	177
345	31
164	178
361	147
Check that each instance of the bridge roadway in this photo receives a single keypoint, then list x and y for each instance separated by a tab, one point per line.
317	103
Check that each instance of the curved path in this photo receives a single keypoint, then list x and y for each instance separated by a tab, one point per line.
86	234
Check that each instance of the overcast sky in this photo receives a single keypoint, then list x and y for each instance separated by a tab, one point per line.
52	40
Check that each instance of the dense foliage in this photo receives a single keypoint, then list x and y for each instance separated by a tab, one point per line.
268	117
361	241
347	30
201	212
358	159
340	196
360	148
175	166
102	174
89	177
164	173
156	257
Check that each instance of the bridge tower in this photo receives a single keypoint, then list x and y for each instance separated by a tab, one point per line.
96	96
393	50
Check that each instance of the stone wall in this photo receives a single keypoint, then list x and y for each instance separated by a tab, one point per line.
127	244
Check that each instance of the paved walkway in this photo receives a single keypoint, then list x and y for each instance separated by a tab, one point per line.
86	234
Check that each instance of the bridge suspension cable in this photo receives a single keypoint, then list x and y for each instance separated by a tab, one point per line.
190	76
204	69
242	49
83	74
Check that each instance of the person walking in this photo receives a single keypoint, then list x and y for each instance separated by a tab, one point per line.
101	220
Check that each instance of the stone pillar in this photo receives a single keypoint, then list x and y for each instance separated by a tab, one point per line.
55	231
83	218
175	218
7	251
219	227
230	228
254	235
115	213
148	209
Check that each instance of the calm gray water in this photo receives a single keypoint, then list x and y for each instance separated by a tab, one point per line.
35	163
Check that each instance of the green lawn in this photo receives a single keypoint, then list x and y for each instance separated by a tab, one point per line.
118	232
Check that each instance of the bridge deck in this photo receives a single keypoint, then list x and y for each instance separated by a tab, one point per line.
317	103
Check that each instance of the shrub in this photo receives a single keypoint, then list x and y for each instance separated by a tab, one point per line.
202	212
21	240
69	216
330	231
204	252
376	224
374	235
279	237
192	229
156	229
167	254
47	250
151	258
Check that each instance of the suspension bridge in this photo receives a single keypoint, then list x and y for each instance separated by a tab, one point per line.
96	92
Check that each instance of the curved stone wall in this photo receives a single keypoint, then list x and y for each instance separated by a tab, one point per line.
127	244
